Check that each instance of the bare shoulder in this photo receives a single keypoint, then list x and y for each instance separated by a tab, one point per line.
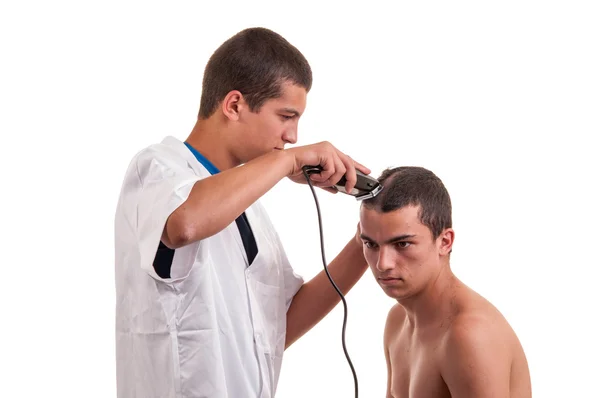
479	322
395	320
477	328
480	350
474	360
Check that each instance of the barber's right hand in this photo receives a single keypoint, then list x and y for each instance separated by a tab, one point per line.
333	162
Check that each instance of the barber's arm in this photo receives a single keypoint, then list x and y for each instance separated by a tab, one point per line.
318	297
218	200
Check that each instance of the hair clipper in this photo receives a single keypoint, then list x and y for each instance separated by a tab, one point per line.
365	187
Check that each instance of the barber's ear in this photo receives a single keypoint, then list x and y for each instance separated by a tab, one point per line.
232	105
446	240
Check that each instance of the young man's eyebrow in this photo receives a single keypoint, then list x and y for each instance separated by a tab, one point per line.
392	240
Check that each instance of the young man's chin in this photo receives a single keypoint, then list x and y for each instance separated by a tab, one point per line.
397	293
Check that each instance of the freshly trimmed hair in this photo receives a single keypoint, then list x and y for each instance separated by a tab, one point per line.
414	186
256	62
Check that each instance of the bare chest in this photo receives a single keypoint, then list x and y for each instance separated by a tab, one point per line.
415	371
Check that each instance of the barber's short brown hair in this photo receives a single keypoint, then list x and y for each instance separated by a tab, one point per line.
256	62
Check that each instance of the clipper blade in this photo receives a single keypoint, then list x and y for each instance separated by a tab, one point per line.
371	194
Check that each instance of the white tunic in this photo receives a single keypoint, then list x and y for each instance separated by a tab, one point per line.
216	328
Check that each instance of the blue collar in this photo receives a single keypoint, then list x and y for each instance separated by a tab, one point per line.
205	162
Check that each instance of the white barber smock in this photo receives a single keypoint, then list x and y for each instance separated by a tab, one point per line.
214	329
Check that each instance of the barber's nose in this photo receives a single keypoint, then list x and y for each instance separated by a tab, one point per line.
290	136
385	259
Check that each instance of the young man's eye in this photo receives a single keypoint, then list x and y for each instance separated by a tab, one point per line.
403	245
369	245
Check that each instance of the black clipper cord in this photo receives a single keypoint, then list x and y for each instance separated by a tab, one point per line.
333	283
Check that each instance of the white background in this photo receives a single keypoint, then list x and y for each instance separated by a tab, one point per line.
500	99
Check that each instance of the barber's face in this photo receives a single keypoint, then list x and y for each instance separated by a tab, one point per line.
275	124
400	250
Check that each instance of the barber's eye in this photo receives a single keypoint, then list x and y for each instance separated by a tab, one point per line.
287	117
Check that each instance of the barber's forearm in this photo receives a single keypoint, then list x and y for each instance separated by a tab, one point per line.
217	201
318	297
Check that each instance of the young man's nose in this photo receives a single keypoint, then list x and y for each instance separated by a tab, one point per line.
385	259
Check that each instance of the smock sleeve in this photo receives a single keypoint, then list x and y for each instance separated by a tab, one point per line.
165	182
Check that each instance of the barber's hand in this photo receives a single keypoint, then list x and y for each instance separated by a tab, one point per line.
334	163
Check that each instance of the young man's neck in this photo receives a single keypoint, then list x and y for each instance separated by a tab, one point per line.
210	139
435	304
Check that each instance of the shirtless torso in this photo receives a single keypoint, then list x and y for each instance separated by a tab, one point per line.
467	350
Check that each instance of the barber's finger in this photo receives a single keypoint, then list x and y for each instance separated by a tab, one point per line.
325	180
340	170
361	167
328	159
350	172
327	164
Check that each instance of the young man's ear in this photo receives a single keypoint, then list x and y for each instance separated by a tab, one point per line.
232	105
446	240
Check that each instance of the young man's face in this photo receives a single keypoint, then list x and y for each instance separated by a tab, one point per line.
275	124
400	250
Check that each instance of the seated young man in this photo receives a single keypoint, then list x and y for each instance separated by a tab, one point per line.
441	339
